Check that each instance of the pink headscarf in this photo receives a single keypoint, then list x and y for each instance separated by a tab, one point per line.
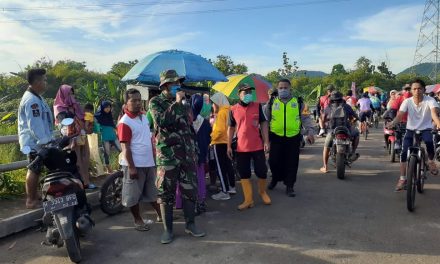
64	101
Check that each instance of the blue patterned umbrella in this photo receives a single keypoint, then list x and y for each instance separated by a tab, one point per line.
195	68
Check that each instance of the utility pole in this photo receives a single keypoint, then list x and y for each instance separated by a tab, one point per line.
427	50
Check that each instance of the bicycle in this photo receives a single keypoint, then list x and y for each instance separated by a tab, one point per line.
376	119
416	169
364	128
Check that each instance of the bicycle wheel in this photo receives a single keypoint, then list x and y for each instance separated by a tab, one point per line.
376	122
411	174
421	178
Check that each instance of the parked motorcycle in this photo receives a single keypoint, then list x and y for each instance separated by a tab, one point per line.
341	150
66	211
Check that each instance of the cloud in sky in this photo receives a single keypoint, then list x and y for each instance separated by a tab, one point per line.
99	42
396	25
389	34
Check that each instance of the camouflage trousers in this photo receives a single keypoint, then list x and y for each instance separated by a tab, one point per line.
168	177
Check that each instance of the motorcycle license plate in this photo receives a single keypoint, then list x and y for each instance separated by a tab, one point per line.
60	203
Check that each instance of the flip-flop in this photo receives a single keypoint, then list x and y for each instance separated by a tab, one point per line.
432	168
142	227
323	170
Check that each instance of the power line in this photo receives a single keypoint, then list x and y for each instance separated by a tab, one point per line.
195	12
105	5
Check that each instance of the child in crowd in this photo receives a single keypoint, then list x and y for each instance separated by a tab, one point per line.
108	131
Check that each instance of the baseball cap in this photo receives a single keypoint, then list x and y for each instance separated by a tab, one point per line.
168	76
244	87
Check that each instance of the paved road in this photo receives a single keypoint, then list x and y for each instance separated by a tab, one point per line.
358	220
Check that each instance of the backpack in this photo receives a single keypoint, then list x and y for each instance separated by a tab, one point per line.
338	116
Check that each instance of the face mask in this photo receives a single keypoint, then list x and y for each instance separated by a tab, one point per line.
174	89
247	98
284	93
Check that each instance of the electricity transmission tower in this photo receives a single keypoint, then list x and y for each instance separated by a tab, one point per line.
427	50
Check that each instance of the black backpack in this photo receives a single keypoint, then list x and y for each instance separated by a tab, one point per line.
338	116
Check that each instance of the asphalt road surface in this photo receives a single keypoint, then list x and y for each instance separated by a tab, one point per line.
357	220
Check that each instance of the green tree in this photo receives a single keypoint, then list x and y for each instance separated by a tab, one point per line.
288	69
273	77
365	65
227	66
338	69
121	68
383	69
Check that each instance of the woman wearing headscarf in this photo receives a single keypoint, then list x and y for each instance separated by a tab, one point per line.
66	106
219	141
104	117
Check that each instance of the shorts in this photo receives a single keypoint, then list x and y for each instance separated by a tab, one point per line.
142	189
38	167
363	115
328	143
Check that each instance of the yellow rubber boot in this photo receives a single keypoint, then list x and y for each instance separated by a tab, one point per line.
246	186
262	191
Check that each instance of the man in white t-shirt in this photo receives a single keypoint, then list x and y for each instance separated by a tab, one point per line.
138	166
421	112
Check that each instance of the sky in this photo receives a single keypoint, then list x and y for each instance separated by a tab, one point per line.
316	33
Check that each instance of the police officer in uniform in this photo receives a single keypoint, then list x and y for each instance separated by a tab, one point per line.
286	119
35	128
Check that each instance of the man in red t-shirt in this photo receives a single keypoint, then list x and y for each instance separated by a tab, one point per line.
324	101
404	95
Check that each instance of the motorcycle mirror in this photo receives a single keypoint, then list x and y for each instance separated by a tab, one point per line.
67	121
26	150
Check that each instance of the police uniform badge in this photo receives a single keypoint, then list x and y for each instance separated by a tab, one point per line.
276	106
294	105
35	110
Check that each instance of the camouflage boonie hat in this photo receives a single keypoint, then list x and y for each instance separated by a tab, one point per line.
168	76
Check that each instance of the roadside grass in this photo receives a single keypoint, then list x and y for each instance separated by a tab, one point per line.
12	183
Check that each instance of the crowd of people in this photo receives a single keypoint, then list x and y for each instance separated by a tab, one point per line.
167	151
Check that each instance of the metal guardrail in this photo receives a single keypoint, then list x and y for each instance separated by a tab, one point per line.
14	165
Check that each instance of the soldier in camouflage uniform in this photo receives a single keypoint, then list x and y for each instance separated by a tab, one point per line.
176	154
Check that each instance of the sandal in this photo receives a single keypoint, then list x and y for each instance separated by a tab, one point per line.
323	170
432	168
141	227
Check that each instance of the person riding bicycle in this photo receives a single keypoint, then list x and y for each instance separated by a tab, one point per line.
375	102
350	99
421	110
365	109
329	114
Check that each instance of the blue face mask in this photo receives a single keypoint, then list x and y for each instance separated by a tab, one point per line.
174	89
248	98
283	93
